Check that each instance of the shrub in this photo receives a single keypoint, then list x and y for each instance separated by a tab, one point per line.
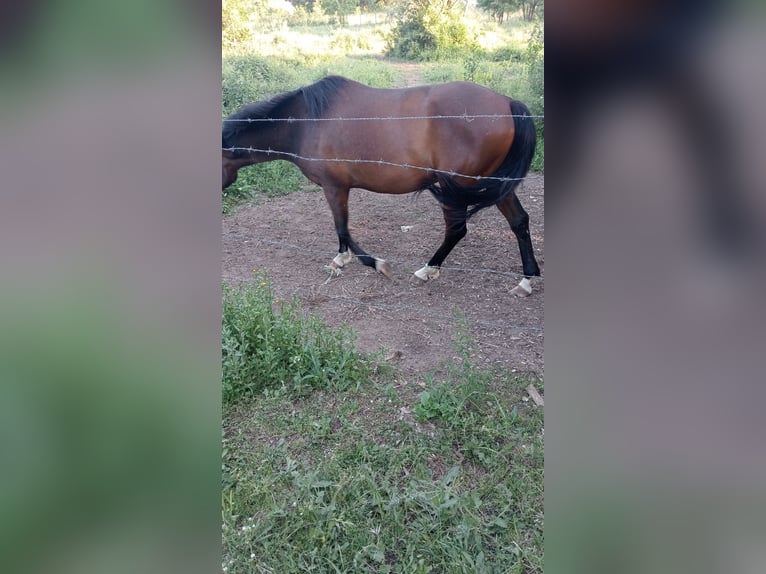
423	26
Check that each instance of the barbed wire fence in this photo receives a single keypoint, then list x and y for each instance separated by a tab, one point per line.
312	292
379	161
467	117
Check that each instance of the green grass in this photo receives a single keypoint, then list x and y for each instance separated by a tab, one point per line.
268	344
377	478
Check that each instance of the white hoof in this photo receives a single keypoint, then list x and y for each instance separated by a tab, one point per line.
341	259
425	274
384	267
523	289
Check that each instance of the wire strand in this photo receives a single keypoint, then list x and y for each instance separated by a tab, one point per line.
270	151
382	118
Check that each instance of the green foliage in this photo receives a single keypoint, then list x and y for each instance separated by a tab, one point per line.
271	179
462	392
531	9
236	27
535	61
340	9
499	9
425	26
267	343
247	78
241	19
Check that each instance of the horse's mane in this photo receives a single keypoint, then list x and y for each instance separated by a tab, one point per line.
317	98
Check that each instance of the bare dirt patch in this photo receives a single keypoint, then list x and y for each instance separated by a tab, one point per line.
292	238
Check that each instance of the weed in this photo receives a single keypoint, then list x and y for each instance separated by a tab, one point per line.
267	344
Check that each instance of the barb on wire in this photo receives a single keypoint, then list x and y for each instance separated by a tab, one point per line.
270	151
383	118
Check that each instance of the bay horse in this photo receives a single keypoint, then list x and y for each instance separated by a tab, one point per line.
396	141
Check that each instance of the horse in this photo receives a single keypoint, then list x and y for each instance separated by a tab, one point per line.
466	144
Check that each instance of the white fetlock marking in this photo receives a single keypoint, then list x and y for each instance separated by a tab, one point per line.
426	273
342	258
379	263
525	285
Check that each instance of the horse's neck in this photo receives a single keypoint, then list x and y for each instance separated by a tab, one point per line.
282	137
274	137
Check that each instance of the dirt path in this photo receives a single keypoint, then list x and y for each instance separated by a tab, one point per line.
292	238
412	73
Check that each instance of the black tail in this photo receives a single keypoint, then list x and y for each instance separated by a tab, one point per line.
514	168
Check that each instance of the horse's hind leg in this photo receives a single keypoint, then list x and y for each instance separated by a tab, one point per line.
511	208
454	230
337	198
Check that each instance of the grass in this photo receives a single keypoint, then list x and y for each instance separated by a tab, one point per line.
368	473
270	344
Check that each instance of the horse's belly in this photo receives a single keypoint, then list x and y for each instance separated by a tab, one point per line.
394	181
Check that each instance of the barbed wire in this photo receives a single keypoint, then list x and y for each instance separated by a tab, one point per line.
270	151
466	117
406	264
418	310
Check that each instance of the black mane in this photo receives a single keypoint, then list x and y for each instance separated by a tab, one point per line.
317	98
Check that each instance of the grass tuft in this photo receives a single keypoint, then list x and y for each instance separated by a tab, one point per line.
271	344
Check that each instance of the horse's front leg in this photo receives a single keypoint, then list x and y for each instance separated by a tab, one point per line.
454	230
337	198
518	219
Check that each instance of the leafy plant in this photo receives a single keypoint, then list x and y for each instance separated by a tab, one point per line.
464	387
269	343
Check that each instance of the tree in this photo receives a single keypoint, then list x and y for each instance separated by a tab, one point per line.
499	8
529	8
340	9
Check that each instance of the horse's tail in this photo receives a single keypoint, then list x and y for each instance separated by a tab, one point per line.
488	192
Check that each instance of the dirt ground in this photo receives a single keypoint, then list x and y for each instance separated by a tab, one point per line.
292	238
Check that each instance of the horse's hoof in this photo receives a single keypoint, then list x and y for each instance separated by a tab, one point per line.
416	281
426	273
384	267
523	289
519	292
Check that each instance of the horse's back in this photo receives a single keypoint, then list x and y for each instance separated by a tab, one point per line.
459	143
